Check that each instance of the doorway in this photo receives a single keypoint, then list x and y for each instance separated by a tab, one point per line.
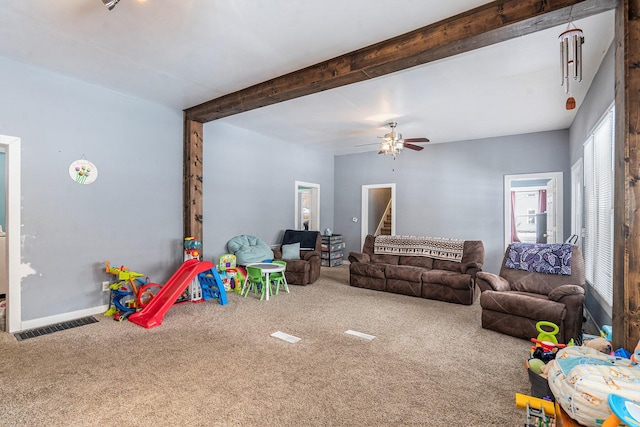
533	208
378	207
307	206
11	147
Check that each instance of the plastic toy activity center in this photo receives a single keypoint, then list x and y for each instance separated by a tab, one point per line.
145	303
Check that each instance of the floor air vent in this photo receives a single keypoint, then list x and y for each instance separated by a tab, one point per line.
45	330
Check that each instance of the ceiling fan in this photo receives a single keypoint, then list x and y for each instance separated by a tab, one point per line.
393	143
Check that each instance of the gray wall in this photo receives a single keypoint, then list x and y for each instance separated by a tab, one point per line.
130	215
600	96
249	183
452	190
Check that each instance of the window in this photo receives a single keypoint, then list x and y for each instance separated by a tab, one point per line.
598	198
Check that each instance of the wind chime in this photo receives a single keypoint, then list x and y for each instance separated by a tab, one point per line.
571	42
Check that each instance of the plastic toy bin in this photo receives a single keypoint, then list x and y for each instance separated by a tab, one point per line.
539	386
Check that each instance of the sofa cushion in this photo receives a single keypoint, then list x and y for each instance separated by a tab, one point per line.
447	278
385	259
417	261
440	264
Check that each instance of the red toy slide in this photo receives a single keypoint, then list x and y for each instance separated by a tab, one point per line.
153	313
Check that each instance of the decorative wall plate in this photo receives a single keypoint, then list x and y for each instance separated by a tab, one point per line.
83	171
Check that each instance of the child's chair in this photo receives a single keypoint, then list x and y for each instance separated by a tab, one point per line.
255	281
279	277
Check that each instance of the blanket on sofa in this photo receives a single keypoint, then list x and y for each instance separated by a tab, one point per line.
434	247
548	258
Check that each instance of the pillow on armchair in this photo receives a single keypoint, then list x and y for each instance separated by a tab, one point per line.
291	251
248	249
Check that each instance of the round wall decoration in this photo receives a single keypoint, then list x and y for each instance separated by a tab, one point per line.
83	171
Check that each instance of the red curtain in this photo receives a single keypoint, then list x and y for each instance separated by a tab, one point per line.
542	201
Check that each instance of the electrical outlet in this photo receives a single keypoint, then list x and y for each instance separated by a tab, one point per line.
105	286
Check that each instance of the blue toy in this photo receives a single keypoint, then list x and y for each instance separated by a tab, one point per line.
212	287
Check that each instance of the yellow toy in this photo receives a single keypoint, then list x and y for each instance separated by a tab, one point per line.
126	279
541	409
231	276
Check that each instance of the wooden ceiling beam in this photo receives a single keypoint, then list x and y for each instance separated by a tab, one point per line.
494	22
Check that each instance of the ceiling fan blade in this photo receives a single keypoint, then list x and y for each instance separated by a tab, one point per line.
369	143
413	147
416	140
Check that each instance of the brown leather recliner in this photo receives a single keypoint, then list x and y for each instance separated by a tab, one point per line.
514	301
305	270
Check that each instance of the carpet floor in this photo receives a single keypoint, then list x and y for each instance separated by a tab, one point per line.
430	364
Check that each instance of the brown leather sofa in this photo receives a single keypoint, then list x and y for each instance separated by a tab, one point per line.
514	301
306	269
418	276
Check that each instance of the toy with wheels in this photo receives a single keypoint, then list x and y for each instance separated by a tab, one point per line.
549	336
546	341
232	276
124	293
192	248
541	410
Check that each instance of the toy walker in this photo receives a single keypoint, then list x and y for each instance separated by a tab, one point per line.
231	275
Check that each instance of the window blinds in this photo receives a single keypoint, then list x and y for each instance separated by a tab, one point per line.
599	175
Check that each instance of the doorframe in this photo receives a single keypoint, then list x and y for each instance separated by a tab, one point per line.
314	208
364	222
559	199
11	145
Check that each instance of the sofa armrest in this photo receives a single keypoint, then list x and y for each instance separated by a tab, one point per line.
489	281
308	255
565	290
359	257
473	272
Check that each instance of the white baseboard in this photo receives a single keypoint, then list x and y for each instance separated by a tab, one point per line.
64	317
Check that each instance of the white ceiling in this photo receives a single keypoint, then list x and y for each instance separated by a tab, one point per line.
183	53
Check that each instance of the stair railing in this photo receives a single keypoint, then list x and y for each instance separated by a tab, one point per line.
387	211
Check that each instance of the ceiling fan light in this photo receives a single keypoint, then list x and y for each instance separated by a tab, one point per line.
110	4
399	145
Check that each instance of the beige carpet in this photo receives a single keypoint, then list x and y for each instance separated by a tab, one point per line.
430	364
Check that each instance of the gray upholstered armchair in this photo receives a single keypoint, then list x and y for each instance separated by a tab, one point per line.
303	266
515	300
